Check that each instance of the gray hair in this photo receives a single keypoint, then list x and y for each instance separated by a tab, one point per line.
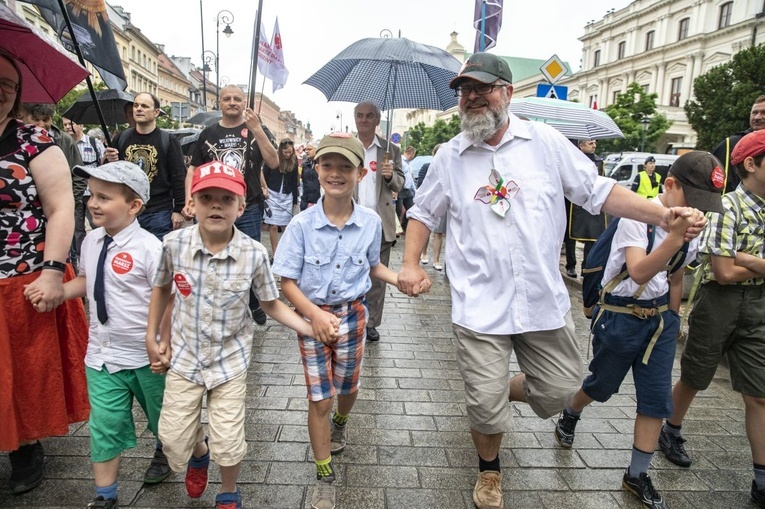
374	106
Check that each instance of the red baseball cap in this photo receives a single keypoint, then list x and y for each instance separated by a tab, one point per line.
751	145
217	174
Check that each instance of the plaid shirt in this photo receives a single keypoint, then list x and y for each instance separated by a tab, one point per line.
726	234
212	325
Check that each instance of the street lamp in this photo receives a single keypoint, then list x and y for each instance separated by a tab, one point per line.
645	121
208	58
227	18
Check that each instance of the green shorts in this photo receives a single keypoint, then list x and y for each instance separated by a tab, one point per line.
112	429
727	320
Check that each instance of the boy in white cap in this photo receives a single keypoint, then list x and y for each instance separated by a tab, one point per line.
118	262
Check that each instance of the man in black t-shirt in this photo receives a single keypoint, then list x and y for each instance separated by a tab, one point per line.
226	141
160	156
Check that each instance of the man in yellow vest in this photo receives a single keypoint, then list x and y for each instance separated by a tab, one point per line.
647	183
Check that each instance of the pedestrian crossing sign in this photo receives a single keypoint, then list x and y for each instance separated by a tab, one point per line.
554	69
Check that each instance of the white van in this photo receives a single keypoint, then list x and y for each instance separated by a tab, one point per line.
627	165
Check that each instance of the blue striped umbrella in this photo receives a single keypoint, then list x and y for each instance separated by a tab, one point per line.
573	120
392	73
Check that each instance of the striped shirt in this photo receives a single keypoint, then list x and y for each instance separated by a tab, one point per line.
726	234
212	325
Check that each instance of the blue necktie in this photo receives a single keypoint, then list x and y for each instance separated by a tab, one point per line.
98	289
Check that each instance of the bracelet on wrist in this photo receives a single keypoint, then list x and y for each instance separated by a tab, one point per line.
54	265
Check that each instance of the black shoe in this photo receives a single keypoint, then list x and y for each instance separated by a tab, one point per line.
26	468
372	334
564	430
259	315
571	273
159	470
103	503
643	489
673	449
758	496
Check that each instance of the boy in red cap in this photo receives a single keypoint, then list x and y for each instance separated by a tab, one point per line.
210	268
728	317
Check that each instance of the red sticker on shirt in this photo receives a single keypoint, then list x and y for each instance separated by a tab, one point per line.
182	285
373	165
122	263
718	178
244	132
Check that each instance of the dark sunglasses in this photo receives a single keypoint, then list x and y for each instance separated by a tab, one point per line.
286	142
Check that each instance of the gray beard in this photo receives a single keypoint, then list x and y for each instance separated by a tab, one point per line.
481	127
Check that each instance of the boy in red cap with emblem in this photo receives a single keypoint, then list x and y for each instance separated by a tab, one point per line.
636	320
210	268
728	317
119	260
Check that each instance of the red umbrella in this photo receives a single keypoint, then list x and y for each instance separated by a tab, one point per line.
47	72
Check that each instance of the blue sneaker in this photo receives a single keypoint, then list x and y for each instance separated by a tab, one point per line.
229	500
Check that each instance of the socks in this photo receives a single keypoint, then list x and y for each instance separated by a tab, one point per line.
759	476
108	492
484	465
202	461
340	420
671	429
640	462
324	468
572	412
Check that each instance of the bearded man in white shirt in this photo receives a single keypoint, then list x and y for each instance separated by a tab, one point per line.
501	184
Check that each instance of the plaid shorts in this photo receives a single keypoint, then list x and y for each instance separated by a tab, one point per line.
335	368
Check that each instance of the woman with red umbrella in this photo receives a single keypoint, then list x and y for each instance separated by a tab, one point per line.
42	374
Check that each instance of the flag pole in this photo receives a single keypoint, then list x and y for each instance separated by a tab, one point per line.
255	55
204	76
92	90
483	26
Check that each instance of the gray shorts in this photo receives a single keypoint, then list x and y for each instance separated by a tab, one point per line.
550	360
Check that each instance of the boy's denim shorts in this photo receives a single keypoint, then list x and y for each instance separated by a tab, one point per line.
619	343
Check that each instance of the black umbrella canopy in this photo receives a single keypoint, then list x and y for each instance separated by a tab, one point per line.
205	118
112	102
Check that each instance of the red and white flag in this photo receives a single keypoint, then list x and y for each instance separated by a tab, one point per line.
271	58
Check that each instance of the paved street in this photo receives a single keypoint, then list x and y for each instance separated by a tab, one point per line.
409	445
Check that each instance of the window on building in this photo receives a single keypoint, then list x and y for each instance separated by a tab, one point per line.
594	101
682	30
725	14
596	58
674	96
621	50
132	53
616	96
649	39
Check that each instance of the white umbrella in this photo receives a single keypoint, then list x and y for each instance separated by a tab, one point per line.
573	120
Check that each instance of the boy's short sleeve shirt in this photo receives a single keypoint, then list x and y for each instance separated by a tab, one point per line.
330	264
726	234
212	325
131	264
632	233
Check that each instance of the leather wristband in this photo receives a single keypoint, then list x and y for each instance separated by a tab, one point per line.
54	265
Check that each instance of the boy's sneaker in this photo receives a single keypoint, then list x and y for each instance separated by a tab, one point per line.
158	470
323	496
643	489
338	437
565	429
26	468
487	493
673	448
259	316
103	503
758	496
196	477
229	500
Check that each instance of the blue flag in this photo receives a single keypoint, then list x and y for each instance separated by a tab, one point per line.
93	32
492	26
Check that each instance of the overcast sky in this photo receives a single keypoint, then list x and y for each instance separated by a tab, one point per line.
314	31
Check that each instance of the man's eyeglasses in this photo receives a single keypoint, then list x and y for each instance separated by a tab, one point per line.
482	89
8	86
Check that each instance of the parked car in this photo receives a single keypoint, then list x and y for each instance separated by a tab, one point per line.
631	163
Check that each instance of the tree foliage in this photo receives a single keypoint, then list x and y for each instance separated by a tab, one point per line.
724	96
425	138
628	112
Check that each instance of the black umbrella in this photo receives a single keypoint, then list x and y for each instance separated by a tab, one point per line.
112	104
205	118
189	143
179	134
